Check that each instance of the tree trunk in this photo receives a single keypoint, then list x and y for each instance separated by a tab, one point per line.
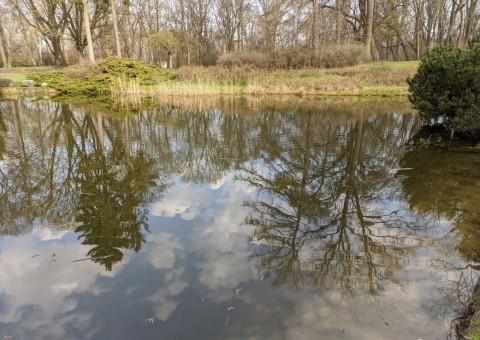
339	22
418	27
27	48
170	60
3	52
80	57
3	55
369	30
314	32
86	22
58	55
115	28
469	22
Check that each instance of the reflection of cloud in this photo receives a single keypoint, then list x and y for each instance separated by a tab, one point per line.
221	242
165	305
184	201
42	296
162	249
47	234
162	254
217	184
398	313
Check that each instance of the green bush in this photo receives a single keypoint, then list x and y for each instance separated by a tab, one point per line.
446	88
95	79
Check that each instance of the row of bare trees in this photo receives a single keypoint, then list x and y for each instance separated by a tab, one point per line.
34	32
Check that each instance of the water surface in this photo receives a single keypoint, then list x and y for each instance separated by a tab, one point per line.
234	219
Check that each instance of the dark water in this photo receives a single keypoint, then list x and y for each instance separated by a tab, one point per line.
233	219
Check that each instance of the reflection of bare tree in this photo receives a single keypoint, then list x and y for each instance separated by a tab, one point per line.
70	168
326	213
3	130
25	194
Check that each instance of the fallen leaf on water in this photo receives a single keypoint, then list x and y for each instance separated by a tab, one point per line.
150	320
230	309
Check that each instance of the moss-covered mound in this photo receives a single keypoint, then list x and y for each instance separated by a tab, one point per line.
97	79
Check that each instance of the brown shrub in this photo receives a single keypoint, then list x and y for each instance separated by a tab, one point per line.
82	70
217	74
334	56
252	59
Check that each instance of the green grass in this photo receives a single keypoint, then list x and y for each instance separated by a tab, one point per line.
17	78
395	64
19	74
474	330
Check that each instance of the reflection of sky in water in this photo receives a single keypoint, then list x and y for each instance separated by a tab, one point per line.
205	249
187	274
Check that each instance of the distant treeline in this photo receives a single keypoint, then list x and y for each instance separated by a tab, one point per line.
266	33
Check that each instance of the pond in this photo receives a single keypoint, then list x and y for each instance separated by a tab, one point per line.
232	218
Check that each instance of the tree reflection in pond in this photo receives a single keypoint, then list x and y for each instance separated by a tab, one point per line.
330	217
114	191
72	171
323	215
3	130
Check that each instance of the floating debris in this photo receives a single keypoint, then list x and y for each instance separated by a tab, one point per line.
238	290
262	278
230	309
150	320
36	255
386	323
91	258
392	171
51	260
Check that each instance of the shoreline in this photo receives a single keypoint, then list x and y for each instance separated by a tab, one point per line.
381	91
468	324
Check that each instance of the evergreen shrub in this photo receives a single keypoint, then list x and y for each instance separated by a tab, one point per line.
446	88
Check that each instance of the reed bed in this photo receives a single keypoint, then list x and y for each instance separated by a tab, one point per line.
375	79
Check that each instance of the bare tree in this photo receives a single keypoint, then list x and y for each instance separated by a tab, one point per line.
115	27
48	18
369	29
3	55
88	32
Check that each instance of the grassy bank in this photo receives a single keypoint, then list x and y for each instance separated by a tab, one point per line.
121	78
473	331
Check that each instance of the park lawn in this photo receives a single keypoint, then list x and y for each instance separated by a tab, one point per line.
19	74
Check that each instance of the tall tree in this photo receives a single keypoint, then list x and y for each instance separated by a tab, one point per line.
369	29
88	32
115	27
47	18
3	55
